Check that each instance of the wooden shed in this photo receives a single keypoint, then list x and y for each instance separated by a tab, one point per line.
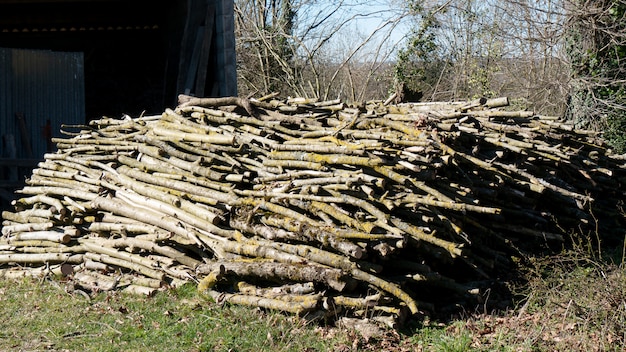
70	61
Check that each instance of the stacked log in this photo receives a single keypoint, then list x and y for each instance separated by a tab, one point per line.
317	208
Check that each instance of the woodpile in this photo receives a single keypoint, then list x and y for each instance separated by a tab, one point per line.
316	208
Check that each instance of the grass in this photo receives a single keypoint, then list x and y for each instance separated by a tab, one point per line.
41	315
571	303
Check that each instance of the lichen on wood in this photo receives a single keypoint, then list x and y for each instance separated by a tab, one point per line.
313	207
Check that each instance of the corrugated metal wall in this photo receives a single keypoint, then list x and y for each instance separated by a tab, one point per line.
40	85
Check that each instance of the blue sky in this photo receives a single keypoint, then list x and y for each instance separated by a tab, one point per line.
358	20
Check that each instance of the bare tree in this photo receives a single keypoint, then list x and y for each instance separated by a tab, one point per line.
544	54
263	49
497	47
536	59
314	48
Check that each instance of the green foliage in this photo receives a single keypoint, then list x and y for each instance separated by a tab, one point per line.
278	50
417	64
615	130
466	67
479	80
597	50
284	28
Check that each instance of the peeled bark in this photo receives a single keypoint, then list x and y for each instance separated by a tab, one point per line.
282	272
291	306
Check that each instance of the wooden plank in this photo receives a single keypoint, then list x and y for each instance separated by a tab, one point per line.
205	52
193	65
195	13
220	78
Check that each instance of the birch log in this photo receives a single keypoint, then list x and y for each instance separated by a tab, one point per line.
315	207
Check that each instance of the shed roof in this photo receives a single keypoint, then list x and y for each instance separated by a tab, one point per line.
66	15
